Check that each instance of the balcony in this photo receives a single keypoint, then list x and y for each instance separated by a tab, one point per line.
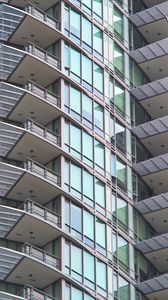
154	135
153	59
155	288
32	223
7	296
150	3
31	181
35	64
30	264
18	104
43	4
155	211
152	23
154	172
155	250
153	97
31	293
19	143
32	27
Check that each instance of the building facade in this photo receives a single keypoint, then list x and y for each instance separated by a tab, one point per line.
83	151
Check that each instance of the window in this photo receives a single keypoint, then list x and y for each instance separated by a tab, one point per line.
119	60
121	174
101	277
98	78
101	236
120	135
89	270
118	23
89	229
98	41
97	9
76	263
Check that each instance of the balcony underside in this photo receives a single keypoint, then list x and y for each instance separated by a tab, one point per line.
155	173
35	69
33	230
153	97
30	145
31	29
155	250
32	106
154	135
30	271
33	187
153	59
150	2
155	288
152	22
43	4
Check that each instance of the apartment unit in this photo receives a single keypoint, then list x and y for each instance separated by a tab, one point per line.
83	150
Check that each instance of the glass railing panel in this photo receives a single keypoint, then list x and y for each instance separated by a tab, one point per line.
31	293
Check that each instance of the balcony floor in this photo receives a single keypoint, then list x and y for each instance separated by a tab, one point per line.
42	4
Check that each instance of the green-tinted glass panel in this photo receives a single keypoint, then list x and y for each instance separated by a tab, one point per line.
86	31
76	178
88	185
99	193
87	69
119	98
76	294
97	39
75	62
118	22
119	59
75	100
99	154
98	78
100	233
75	23
88	225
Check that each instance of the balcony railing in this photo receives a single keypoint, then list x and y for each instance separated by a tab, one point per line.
43	55
31	293
42	212
41	255
42	171
41	15
43	93
43	132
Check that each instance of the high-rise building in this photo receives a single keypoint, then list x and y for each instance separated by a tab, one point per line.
83	150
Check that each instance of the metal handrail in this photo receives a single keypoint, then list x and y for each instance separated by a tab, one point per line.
43	54
46	133
42	171
42	92
41	255
32	9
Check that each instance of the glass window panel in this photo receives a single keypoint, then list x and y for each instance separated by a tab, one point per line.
76	175
67	293
97	39
67	57
76	294
119	98
100	233
88	185
118	22
76	138
87	108
99	154
98	78
86	69
86	31
121	173
88	225
97	7
87	146
120	133
67	255
99	193
75	100
76	259
89	267
119	59
75	62
123	251
124	289
76	213
122	211
98	115
75	23
101	274
67	213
